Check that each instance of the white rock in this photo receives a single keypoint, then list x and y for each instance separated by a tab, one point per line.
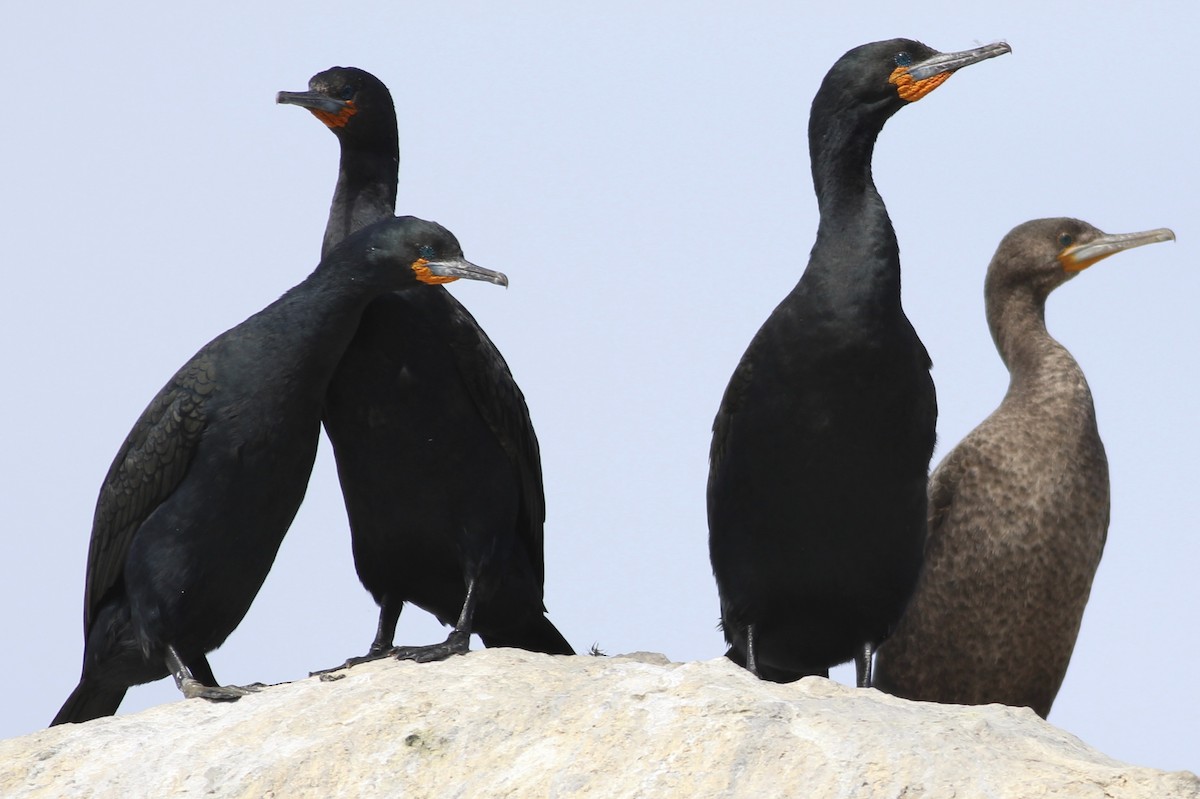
507	723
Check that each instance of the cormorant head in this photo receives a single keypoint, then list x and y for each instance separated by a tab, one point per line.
885	76
352	102
406	251
1045	253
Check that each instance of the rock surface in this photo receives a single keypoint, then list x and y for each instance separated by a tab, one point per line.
506	723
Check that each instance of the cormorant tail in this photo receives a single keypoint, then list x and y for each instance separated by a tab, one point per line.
538	634
90	701
770	673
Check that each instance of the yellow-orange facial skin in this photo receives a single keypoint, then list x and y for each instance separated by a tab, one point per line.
339	119
1072	264
912	90
1077	257
425	276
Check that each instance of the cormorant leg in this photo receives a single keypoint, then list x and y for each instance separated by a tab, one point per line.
385	633
389	615
192	688
751	656
862	664
458	642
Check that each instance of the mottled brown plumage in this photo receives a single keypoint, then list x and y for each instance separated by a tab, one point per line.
1018	511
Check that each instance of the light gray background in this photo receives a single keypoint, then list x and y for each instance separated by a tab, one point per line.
642	176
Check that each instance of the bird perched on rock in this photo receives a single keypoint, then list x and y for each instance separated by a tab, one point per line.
200	495
437	457
821	446
1018	511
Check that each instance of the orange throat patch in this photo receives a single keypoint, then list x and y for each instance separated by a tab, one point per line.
425	276
339	119
1070	264
913	90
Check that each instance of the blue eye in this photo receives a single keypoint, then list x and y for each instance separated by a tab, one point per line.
426	251
347	92
1066	239
903	60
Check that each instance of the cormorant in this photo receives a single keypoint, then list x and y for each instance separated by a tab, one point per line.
200	495
1018	511
436	454
821	446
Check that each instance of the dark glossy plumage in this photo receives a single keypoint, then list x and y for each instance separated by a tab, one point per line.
821	446
199	497
1018	511
437	457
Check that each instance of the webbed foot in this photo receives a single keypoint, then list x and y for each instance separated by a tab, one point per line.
373	654
194	689
458	643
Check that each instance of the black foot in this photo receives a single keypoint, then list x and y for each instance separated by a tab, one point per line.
374	654
459	643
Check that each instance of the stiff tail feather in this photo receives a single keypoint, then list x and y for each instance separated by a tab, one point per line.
89	701
538	634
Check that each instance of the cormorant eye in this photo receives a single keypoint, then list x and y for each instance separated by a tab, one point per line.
347	92
426	251
1066	239
903	60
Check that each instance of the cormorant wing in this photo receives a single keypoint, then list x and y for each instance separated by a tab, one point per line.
502	405
731	402
955	491
943	485
150	464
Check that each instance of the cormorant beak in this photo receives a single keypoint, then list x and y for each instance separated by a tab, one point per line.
1078	257
951	62
314	101
449	269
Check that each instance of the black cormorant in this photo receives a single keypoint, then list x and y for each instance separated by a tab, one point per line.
436	454
1018	511
821	446
199	497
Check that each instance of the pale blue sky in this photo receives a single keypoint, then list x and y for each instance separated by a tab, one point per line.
641	174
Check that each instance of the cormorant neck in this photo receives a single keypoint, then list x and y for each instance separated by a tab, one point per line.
841	144
1037	363
322	314
365	192
856	243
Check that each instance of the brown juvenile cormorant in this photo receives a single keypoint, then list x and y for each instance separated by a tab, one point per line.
200	495
821	446
1018	511
437	457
